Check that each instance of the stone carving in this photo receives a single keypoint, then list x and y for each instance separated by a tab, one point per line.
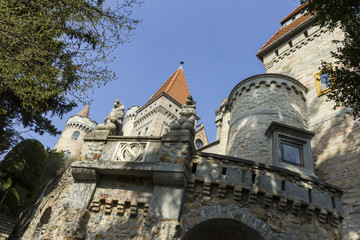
187	117
131	152
113	121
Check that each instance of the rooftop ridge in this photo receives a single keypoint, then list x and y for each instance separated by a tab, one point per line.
294	12
284	30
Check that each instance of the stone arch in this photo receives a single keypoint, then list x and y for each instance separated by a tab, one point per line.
227	212
222	228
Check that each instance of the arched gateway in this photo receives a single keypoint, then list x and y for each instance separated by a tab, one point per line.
222	229
224	222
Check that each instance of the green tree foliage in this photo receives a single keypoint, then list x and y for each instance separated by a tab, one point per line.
23	167
50	55
345	14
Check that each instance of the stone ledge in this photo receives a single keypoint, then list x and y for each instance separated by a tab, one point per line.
161	173
97	135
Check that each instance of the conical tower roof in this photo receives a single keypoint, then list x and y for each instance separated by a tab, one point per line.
176	86
84	112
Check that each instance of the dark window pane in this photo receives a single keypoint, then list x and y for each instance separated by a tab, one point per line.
323	78
198	143
291	152
75	135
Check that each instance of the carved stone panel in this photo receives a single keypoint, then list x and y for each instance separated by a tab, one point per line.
130	152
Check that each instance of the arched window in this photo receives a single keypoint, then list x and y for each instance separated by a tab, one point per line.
198	143
75	135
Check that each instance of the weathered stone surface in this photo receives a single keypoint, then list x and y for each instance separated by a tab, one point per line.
321	198
269	183
296	191
166	202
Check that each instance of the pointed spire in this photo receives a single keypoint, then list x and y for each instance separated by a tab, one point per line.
176	86
84	112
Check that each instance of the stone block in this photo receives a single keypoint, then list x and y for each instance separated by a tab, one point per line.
178	179
338	205
108	151
296	191
208	171
97	135
80	195
321	198
166	202
239	177
268	183
84	174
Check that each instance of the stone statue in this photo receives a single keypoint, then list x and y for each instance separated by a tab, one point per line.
113	121
187	117
188	109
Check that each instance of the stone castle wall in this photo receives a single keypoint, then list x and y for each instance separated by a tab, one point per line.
336	144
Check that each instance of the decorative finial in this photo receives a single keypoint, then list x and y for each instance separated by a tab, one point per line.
181	64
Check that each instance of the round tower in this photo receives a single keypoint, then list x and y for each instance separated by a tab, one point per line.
129	119
72	138
255	104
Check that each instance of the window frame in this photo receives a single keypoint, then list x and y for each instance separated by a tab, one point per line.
279	132
293	144
198	140
317	75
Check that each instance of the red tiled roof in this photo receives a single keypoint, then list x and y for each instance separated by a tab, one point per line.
284	30
176	86
84	112
298	9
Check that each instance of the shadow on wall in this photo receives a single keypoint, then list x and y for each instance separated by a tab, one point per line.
336	151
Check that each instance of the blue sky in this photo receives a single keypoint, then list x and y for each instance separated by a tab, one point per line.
217	40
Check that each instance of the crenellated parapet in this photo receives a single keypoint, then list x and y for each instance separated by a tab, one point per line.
265	190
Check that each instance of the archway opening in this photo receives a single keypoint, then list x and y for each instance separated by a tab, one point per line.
225	229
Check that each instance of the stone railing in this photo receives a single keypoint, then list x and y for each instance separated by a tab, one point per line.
255	183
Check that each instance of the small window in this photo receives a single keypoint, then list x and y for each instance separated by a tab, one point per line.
291	147
277	52
306	34
292	153
67	154
290	44
198	143
323	81
75	135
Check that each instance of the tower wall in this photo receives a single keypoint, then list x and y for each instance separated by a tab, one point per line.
71	144
129	119
336	144
254	104
154	117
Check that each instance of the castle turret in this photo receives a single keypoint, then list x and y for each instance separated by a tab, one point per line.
71	139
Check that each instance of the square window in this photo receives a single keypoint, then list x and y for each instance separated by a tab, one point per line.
292	153
291	147
322	79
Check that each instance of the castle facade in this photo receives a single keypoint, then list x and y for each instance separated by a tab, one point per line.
284	165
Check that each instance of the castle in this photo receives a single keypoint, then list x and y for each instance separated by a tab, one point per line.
284	164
